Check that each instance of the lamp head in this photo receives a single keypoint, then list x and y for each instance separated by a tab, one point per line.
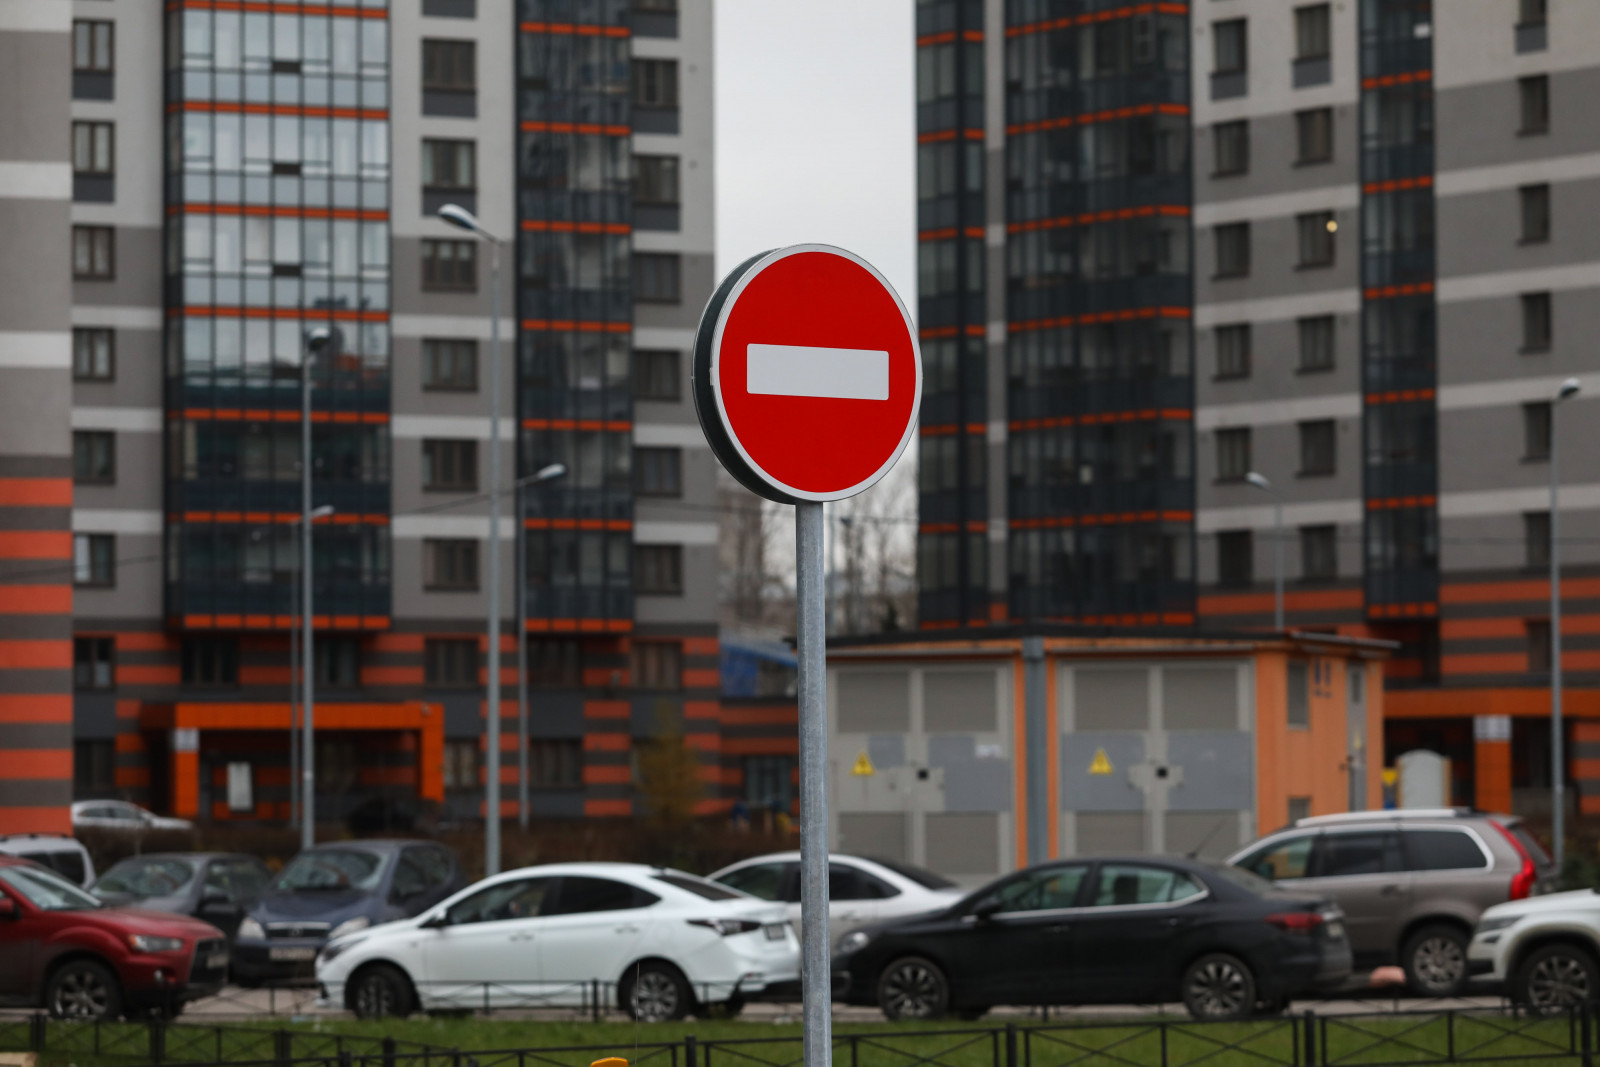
1569	389
323	512
1258	480
460	217
554	470
320	338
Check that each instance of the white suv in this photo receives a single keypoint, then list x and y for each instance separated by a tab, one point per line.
1545	950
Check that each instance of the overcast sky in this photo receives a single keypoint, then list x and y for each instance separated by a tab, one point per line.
815	130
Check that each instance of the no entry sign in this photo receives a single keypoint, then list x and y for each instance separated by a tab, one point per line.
806	374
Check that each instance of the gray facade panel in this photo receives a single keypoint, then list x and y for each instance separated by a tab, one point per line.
1481	233
1274	370
38	70
137	272
34	292
1082	791
1273	169
34	406
137	373
1274	258
1478	124
1216	769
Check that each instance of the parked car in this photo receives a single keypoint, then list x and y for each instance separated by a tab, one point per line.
67	952
1543	951
337	889
1412	884
121	815
1101	931
62	854
861	891
218	887
666	942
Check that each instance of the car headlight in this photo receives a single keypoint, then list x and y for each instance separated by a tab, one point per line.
350	926
1489	926
332	949
148	943
251	930
854	941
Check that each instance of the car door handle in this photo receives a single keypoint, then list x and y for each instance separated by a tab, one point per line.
627	928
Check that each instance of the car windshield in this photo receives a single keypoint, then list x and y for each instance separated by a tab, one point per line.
47	890
698	886
146	877
332	869
925	878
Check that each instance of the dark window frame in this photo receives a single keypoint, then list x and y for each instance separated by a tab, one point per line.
91	469
1537	425
555	763
459	353
1319	553
657	179
94	564
653	379
1538	321
1232	241
1313	134
1536	540
1230	148
1317	233
456	273
451	662
658	570
658	277
1227	444
657	471
222	659
451	151
656	665
86	135
1319	448
1236	558
654	84
84	355
450	465
1239	64
443	69
84	34
94	661
444	561
1534	204
1313	41
1533	105
94	250
1236	341
1306	326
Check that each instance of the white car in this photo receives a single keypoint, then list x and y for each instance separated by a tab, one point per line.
1545	950
666	943
860	891
64	855
120	815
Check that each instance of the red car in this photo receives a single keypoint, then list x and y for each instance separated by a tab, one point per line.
63	949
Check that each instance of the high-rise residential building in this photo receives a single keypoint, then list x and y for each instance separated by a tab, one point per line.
1334	246
200	193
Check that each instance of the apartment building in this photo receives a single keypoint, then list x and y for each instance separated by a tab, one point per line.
1353	275
195	194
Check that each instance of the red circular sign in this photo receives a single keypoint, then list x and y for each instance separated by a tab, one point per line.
807	374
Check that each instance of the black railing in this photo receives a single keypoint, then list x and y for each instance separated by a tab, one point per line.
160	1042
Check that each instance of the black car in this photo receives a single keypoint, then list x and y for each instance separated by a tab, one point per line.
218	887
1137	930
336	889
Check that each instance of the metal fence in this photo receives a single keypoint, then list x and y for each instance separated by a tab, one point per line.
160	1042
1388	1039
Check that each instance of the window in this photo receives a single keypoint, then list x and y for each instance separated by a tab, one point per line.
1537	328
449	65
337	765
449	563
1319	553
520	899
93	354
1313	37
655	375
1443	850
94	559
450	662
1236	565
768	785
449	364
1233	454
1316	343
338	663
1365	852
1536	430
655	83
1299	808
450	466
93	46
94	765
555	663
1534	96
1298	678
419	871
210	661
1535	213
1531	12
655	180
555	763
1539	649
449	165
658	569
93	252
94	457
1287	858
580	896
92	664
1230	147
656	277
1122	884
1230	48
657	665
852	883
1536	540
1318	447
1316	238
449	264
93	146
1040	890
1313	135
1233	250
461	763
1233	350
658	471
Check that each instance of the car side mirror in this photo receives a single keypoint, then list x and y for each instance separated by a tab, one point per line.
435	921
986	909
8	908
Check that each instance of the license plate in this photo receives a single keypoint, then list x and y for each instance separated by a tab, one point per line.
1336	931
291	954
216	961
775	931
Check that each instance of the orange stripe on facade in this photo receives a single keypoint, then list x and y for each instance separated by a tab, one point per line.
1089	218
35	655
570	28
1512	591
281	9
35	544
1108	15
1095	318
585	128
200	311
41	820
1088	118
35	764
35	599
1386	80
231	108
1097	419
1390	292
17	709
1108	519
1261	603
36	492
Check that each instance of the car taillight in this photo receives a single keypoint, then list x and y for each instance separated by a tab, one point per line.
727	927
1523	881
1297	922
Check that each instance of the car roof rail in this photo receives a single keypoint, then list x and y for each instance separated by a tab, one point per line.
1387	815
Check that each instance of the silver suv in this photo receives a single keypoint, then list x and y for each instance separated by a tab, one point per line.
1412	883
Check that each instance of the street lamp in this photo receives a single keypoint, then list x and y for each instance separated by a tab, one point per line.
294	673
1260	482
318	340
543	474
1568	390
461	218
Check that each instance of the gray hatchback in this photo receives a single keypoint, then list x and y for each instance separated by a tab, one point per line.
1411	883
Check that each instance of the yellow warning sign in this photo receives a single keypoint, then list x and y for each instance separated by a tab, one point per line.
863	765
1101	763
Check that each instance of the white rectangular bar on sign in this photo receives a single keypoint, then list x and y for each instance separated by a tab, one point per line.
830	373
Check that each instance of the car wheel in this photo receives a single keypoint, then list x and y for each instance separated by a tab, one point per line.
1556	976
913	988
1435	960
654	993
1219	986
380	991
83	989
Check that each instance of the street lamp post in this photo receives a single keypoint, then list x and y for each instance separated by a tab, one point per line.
294	676
461	218
318	341
1260	482
1569	389
544	474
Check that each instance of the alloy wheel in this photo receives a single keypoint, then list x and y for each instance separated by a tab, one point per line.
375	998
1218	988
1439	963
1557	981
80	994
911	991
655	997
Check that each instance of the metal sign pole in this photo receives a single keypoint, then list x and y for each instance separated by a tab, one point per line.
816	973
